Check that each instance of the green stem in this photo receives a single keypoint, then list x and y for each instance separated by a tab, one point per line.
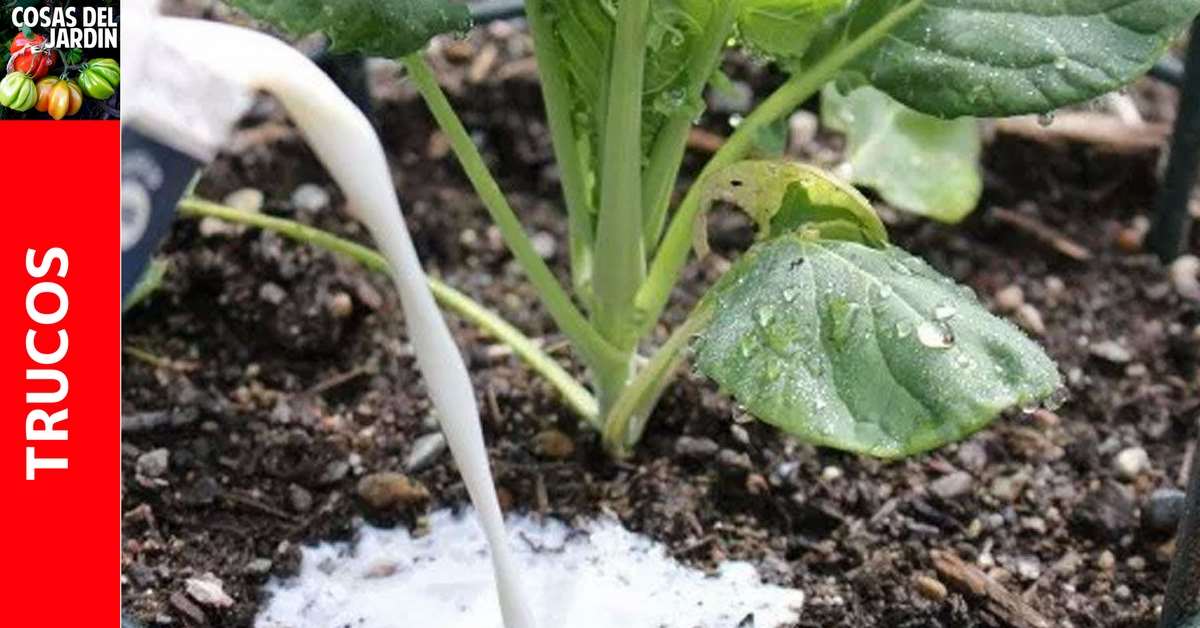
626	420
580	400
620	257
666	156
673	252
592	346
556	94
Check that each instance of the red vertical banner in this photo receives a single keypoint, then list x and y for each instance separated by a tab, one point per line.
60	304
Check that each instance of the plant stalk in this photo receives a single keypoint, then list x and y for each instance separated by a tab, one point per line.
666	155
625	422
1172	222
592	346
672	254
576	396
620	259
556	94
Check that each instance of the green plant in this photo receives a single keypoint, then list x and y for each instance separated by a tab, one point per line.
822	327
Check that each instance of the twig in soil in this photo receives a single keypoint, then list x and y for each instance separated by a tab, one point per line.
1102	131
1044	233
969	579
254	504
179	366
337	379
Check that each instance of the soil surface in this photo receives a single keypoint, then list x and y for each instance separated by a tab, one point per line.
265	379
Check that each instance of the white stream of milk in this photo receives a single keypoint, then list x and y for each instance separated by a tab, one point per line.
346	144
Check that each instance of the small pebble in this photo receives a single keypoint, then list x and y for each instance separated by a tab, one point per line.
544	244
1029	568
1111	351
340	305
259	566
553	444
930	588
972	456
952	485
1008	488
153	464
1030	319
1055	287
301	499
1136	563
802	130
245	199
1131	462
696	448
390	489
272	293
1130	238
734	459
1009	298
425	451
1163	510
1106	561
1185	277
831	473
208	590
310	197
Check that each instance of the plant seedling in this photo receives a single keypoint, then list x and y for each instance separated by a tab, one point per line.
822	328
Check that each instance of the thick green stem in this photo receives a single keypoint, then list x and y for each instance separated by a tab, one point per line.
666	155
620	258
577	397
626	420
592	346
556	94
673	251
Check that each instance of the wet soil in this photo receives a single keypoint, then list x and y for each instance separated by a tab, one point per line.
276	375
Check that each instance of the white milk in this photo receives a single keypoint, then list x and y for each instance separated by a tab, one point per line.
346	144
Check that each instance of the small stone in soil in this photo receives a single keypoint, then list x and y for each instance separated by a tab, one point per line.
1030	319
272	293
245	199
209	591
971	455
301	499
731	459
544	244
696	448
1184	277
340	305
802	130
953	485
1163	510
153	464
1110	351
390	489
425	451
1131	462
930	588
310	197
259	566
1009	298
553	444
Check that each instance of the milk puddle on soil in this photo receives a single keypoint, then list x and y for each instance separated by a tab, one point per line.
597	576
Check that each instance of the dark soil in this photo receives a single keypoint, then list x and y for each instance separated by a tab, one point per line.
273	401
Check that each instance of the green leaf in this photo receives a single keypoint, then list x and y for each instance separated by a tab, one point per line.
1005	57
916	162
784	196
375	28
863	349
783	28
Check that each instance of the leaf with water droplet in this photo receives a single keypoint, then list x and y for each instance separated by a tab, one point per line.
883	372
991	58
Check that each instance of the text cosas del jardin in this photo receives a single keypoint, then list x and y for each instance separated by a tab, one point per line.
70	27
